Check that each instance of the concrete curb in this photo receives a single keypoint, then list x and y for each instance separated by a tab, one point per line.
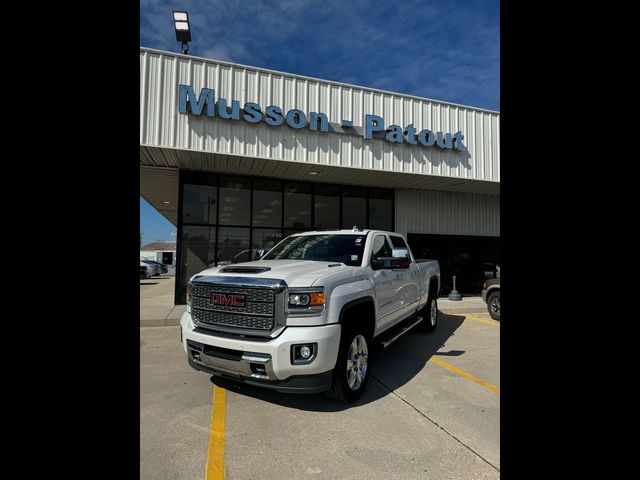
455	311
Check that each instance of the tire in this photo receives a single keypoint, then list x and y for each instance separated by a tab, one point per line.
346	385
430	313
493	305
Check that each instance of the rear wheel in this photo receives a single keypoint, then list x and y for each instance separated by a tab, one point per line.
430	315
493	305
351	373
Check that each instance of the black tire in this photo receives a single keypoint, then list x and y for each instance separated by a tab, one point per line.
340	389
493	305
430	316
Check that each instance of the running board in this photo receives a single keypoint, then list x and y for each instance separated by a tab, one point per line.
393	334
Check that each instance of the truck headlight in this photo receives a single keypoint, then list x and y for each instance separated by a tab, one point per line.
189	292
306	302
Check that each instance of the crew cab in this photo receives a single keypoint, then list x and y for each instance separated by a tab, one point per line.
304	317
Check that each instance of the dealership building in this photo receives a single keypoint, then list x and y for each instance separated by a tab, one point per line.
239	157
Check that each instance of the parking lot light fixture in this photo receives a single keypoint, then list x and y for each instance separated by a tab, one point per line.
183	30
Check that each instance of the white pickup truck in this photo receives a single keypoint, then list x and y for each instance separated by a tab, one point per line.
304	317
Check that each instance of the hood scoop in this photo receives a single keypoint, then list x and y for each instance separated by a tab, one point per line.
241	269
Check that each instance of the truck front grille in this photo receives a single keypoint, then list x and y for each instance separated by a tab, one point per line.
228	320
257	312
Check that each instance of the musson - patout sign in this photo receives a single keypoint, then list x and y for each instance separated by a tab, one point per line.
190	103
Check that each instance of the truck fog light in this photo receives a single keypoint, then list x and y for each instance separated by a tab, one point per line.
305	353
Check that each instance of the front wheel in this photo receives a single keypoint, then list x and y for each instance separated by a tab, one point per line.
351	373
493	305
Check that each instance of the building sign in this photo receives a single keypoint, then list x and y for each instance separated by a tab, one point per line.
205	104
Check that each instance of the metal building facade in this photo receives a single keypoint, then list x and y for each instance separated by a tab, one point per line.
437	191
447	213
162	126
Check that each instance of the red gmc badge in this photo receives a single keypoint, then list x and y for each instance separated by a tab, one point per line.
229	299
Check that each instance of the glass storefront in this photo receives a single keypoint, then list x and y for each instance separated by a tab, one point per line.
230	219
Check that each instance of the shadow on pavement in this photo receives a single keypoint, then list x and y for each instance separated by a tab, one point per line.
148	283
392	368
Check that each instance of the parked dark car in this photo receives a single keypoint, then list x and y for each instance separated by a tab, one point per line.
163	267
491	295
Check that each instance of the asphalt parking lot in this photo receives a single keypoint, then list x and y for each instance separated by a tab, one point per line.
431	410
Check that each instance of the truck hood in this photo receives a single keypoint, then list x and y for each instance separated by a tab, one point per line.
297	273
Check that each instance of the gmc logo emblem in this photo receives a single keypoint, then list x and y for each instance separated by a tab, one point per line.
229	299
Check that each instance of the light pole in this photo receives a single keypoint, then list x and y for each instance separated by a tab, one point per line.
183	32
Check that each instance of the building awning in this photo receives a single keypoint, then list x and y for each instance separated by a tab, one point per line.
159	170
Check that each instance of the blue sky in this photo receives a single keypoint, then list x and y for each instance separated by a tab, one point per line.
444	50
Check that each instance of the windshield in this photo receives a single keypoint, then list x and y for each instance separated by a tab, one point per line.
346	249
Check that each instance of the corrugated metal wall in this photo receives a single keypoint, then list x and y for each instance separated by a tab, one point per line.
162	126
452	213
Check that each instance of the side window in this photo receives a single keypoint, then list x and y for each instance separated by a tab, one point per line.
398	242
380	247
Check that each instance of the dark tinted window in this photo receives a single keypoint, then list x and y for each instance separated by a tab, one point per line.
398	242
197	253
381	209
354	207
297	205
199	204
267	203
380	214
235	201
327	206
233	245
265	239
380	247
472	259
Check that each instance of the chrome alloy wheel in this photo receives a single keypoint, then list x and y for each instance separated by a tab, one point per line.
357	362
433	314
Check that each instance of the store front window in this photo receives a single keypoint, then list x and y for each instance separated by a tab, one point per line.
327	206
297	205
354	207
232	219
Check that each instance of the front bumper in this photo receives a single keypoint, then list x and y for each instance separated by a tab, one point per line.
265	363
317	383
484	296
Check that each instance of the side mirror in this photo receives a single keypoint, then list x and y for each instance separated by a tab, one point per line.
260	253
390	263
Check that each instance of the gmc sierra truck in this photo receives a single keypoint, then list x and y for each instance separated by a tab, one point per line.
304	317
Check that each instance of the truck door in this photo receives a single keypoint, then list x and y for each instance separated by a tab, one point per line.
383	281
407	283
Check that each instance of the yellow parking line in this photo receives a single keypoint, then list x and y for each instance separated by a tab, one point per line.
215	455
450	367
483	320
